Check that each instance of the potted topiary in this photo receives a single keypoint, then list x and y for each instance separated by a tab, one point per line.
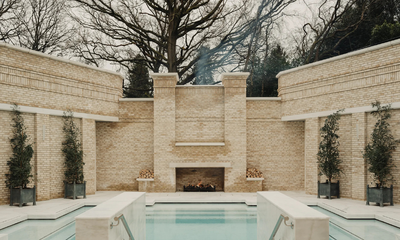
19	174
74	185
378	154
328	157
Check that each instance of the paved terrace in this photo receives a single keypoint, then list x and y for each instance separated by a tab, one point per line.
55	208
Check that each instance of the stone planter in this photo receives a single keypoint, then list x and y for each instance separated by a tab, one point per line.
329	189
22	195
74	189
380	195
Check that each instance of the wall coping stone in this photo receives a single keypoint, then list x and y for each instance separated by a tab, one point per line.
136	99
199	86
59	113
263	99
350	54
145	179
200	144
201	165
395	105
254	179
59	59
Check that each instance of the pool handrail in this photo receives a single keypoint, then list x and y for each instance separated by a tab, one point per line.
278	224
128	230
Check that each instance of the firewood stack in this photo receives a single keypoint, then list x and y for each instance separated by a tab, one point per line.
146	173
253	173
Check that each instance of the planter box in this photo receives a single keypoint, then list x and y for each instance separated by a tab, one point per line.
74	189
329	189
22	195
380	195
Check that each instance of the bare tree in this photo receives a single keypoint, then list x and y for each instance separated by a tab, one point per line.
329	27
40	25
7	7
168	33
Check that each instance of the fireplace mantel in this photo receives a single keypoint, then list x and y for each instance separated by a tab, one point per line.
201	165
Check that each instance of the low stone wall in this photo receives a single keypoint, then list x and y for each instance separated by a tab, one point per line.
307	223
94	224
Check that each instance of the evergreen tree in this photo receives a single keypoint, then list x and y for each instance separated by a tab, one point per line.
328	153
139	83
20	161
264	80
385	32
72	150
378	153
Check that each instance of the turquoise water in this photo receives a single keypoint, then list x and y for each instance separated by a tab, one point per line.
343	229
61	228
201	222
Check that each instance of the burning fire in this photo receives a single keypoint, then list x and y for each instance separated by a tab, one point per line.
199	186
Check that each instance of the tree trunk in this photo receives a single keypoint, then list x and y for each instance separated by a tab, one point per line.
172	38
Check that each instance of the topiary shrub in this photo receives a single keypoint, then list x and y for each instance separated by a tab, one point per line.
378	152
19	173
328	152
72	150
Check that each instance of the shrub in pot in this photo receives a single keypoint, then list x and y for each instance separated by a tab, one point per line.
378	154
74	184
328	157
19	174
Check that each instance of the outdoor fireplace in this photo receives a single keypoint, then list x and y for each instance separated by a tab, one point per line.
200	179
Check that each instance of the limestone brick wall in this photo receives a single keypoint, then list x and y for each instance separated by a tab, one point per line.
199	114
52	85
32	79
347	81
274	147
126	147
351	81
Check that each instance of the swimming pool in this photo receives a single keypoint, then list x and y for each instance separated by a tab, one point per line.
60	228
344	229
201	221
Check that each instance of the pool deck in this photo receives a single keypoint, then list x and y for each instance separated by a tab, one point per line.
55	208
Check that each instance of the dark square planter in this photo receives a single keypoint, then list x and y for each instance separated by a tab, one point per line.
380	195
74	190
22	195
329	189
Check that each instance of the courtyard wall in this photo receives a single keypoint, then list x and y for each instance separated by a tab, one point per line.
44	86
352	82
191	127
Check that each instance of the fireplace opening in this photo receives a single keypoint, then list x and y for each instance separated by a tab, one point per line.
200	179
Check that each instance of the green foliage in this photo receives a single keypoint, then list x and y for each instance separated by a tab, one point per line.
378	153
328	153
263	82
20	161
385	32
139	83
72	150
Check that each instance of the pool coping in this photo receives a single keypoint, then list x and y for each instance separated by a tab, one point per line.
55	208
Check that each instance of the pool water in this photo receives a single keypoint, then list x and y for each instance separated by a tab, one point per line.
201	222
60	228
343	229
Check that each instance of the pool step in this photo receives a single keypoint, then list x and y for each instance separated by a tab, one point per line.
66	232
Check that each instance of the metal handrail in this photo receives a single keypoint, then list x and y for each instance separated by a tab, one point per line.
278	224
128	230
